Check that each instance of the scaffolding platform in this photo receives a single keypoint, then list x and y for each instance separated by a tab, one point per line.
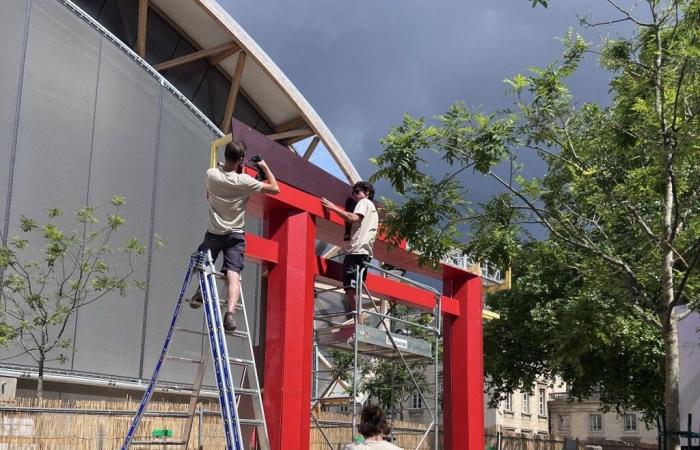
374	341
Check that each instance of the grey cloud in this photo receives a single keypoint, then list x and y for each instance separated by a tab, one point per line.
363	63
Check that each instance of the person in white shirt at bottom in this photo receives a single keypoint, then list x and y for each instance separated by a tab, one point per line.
373	426
365	220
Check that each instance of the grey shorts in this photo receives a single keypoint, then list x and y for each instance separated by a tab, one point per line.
232	245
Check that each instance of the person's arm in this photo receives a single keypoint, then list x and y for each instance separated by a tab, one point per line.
270	186
346	215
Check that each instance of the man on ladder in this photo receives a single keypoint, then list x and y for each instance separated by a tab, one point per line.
228	190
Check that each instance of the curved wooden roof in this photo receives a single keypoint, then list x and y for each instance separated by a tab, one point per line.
263	83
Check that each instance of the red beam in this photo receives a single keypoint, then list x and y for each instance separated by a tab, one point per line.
386	287
463	366
289	331
261	250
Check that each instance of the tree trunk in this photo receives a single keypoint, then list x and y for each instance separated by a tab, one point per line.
40	379
671	395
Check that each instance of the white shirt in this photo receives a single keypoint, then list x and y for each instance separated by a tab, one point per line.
365	233
372	445
227	194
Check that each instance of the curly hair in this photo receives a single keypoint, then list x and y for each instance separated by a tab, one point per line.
373	422
366	187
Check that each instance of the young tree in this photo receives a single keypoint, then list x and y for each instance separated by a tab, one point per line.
49	273
618	203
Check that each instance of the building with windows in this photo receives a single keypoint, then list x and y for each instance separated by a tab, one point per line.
522	412
586	421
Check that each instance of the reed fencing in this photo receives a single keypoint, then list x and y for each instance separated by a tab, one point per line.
31	424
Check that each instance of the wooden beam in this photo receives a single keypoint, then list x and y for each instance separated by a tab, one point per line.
310	149
143	21
306	132
233	93
294	140
291	125
216	59
194	56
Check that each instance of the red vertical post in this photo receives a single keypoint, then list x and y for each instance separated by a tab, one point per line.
289	331
463	365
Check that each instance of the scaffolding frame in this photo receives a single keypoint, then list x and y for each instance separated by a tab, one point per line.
385	322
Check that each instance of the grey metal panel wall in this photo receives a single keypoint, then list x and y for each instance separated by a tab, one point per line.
180	216
13	15
94	123
55	126
123	152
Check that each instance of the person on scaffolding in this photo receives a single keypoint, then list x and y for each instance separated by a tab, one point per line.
228	190
373	426
365	219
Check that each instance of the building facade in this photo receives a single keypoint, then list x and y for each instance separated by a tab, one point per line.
522	412
586	420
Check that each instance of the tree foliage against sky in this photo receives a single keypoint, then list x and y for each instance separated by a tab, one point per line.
617	206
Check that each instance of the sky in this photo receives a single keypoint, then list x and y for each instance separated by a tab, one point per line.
362	64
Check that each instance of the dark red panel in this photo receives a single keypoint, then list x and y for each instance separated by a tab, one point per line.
290	167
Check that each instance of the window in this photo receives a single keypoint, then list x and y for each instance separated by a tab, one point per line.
542	402
526	403
595	423
564	423
416	401
630	422
508	404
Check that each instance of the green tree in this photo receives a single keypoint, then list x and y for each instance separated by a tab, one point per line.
618	203
48	273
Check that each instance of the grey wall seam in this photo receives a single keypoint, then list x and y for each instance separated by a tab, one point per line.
15	131
150	231
87	190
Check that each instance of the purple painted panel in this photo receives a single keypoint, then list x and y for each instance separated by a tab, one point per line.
290	167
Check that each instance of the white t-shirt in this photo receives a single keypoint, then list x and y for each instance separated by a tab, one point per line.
372	445
366	230
227	194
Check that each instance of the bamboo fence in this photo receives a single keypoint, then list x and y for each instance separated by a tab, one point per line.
31	424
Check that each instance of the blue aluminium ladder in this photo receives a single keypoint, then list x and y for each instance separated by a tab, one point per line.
229	396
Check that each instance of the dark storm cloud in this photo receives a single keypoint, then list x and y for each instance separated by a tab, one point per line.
363	63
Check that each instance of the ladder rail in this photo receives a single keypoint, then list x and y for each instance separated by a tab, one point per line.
254	383
156	372
214	338
229	394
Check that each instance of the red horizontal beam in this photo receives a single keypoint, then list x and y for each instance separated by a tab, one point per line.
386	287
261	250
328	229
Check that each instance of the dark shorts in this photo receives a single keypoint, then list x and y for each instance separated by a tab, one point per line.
233	246
350	265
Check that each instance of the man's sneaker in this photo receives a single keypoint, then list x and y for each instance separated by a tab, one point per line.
229	322
196	300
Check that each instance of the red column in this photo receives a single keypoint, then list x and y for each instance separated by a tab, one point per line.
289	331
463	366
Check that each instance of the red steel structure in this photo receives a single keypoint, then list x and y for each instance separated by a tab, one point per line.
293	220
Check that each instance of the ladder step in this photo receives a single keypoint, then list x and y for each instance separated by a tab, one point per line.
239	334
185	360
240	361
158	443
251	422
245	391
